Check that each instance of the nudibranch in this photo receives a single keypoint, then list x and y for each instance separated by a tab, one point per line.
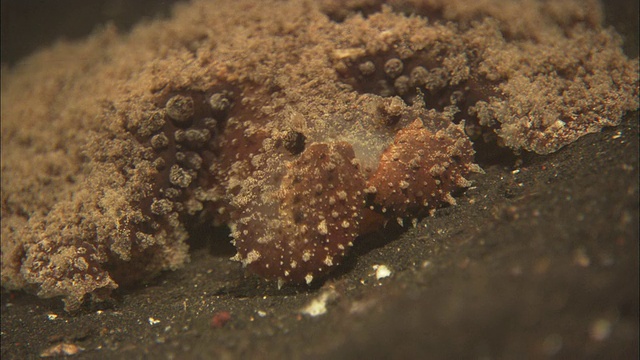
300	125
295	200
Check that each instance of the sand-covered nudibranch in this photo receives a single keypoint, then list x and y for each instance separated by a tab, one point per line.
299	125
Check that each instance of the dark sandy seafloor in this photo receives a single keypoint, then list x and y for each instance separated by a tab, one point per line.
538	259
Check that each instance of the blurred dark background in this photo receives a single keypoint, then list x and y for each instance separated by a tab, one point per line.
624	15
29	24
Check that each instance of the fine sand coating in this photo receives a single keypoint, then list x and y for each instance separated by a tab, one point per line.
300	124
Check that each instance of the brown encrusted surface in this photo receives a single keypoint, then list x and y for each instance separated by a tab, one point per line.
104	209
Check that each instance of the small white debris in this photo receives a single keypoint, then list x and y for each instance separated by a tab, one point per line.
308	278
351	53
52	316
382	271
62	349
600	329
449	199
252	256
306	256
318	306
581	258
153	321
328	261
261	313
362	307
322	228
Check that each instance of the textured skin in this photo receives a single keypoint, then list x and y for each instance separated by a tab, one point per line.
316	217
